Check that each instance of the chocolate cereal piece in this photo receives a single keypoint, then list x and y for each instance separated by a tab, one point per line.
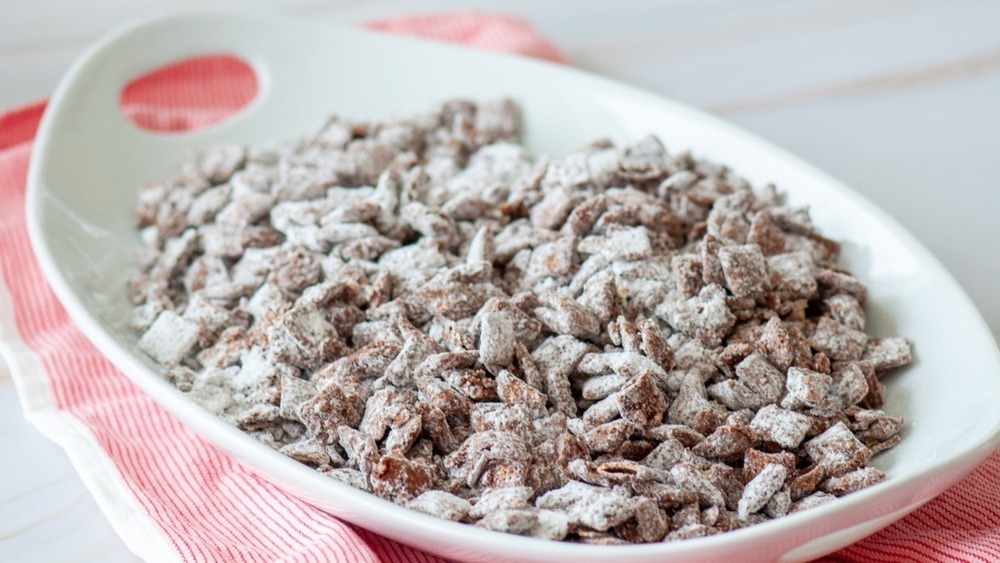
595	507
687	270
838	341
500	499
783	345
838	451
330	409
761	377
766	234
727	443
851	482
648	525
761	488
887	353
641	402
705	316
745	270
689	477
307	451
806	388
846	310
734	394
807	481
170	338
691	407
441	504
784	427
397	478
755	461
497	339
833	282
794	272
818	498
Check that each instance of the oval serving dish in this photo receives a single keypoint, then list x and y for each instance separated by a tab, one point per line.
89	161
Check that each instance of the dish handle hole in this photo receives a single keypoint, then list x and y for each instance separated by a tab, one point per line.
189	94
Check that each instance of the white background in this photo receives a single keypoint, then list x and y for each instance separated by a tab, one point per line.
900	99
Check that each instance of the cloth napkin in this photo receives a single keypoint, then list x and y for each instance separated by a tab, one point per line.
171	496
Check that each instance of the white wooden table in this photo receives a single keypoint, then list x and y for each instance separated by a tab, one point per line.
900	99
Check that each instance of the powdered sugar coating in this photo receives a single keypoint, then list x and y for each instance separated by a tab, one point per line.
441	504
761	488
622	345
783	427
170	338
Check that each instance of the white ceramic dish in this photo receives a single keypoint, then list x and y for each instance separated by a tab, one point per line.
89	160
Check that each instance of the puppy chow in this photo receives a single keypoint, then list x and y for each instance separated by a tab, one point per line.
626	344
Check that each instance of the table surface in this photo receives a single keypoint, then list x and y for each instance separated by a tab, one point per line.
899	99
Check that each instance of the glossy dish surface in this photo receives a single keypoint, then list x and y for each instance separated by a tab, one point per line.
89	161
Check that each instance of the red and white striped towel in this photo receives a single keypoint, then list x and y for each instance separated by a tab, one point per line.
173	497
